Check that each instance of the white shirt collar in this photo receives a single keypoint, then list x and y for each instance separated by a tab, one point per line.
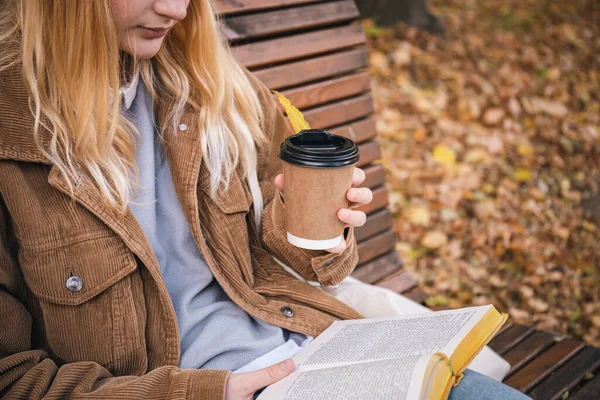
128	91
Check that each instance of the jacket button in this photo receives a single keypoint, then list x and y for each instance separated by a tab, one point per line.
288	312
74	283
183	127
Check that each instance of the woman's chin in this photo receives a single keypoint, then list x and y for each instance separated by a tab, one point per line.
144	49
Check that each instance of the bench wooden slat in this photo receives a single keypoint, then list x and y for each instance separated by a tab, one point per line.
298	46
329	90
399	282
313	69
376	246
374	176
416	294
589	391
510	338
340	112
238	6
567	376
532	373
527	350
358	131
378	268
252	26
377	222
505	327
380	200
369	151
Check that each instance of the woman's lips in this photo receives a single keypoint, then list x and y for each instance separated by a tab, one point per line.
152	33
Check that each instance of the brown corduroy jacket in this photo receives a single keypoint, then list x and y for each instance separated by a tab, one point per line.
84	311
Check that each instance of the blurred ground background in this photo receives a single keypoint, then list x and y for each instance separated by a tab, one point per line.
491	140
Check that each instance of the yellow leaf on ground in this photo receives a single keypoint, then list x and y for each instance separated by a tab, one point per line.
436	301
419	135
493	116
444	155
403	248
434	239
419	215
477	156
379	63
561	232
538	305
497	281
525	149
553	74
488	188
484	209
523	175
401	55
518	314
588	226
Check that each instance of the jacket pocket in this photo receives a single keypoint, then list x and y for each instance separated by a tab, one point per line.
87	292
226	228
236	198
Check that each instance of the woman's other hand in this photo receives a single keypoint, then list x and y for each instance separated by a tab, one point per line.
243	386
356	196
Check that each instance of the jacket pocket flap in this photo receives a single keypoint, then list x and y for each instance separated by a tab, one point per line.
235	199
74	273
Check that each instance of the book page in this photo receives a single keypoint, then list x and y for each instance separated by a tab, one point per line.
390	338
387	379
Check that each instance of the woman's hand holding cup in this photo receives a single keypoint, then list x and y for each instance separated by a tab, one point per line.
355	195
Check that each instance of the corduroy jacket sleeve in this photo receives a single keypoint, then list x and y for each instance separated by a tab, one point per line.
321	266
29	373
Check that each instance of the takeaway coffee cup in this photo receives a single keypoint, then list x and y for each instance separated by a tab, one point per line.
318	168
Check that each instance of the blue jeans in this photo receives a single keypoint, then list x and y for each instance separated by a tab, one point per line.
475	386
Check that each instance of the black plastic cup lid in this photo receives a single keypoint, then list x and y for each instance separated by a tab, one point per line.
315	148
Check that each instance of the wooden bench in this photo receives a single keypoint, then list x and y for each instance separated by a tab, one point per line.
313	51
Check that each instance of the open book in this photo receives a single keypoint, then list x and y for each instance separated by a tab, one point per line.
418	356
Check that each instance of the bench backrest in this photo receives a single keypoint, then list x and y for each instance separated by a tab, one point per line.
314	53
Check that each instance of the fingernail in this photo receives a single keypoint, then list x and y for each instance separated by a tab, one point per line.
287	364
345	213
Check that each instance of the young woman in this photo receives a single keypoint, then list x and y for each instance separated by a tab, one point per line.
140	209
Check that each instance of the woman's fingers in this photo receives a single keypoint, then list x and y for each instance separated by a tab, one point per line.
352	217
339	248
358	176
359	195
279	182
244	385
267	376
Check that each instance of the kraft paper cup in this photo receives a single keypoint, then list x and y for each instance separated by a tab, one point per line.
318	168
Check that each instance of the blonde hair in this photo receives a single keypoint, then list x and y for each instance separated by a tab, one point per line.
71	66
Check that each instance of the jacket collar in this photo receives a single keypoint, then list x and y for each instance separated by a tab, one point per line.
17	119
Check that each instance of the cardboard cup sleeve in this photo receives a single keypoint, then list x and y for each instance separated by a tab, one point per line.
313	197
